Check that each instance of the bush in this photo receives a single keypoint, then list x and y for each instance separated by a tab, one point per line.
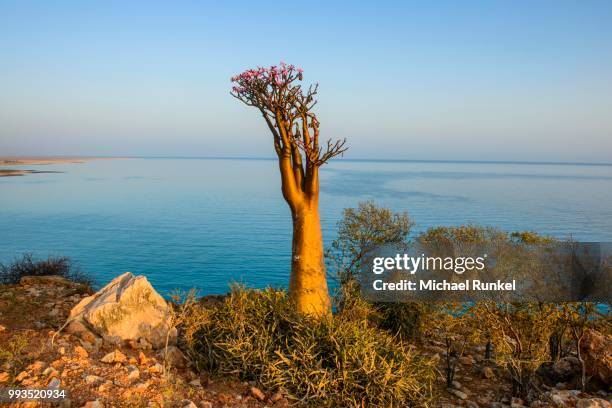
28	266
338	361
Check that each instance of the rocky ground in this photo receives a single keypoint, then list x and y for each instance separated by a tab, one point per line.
480	383
34	353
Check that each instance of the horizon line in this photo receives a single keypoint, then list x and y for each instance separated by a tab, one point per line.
268	158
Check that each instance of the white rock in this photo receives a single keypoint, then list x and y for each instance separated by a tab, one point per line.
128	308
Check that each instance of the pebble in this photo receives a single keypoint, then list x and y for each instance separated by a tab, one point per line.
457	393
81	352
106	386
134	374
114	357
93	404
142	358
54	383
22	375
93	379
276	397
257	393
49	371
141	387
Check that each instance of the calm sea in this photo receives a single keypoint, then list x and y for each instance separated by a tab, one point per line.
205	222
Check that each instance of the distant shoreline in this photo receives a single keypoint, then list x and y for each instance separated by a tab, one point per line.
43	160
6	161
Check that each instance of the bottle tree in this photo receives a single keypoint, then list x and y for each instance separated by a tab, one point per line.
287	108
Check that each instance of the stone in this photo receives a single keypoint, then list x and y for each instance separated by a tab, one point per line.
50	371
79	329
206	404
277	396
593	403
142	358
517	403
93	404
128	308
141	387
36	367
114	357
195	383
106	386
93	379
87	346
457	393
257	393
81	352
596	350
173	356
562	397
133	373
143	344
54	383
466	360
189	404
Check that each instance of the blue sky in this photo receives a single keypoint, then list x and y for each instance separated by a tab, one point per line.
489	80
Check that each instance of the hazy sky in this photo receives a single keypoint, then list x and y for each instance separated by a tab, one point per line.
490	80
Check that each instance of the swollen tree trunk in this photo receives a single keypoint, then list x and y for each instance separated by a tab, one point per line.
308	284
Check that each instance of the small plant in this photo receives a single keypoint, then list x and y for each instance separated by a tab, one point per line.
28	266
521	333
454	323
13	352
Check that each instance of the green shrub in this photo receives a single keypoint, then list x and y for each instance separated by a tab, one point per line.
28	266
339	361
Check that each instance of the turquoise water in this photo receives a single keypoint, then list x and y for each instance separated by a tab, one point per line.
204	222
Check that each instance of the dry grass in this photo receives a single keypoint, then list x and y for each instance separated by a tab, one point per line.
340	361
